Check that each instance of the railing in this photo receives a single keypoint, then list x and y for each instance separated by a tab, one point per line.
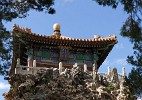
33	69
27	70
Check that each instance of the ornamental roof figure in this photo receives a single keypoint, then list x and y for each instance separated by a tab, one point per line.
56	27
56	33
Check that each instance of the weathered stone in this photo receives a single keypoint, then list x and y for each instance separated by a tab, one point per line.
71	84
114	78
55	73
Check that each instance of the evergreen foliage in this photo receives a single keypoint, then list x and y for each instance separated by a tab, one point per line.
9	10
131	29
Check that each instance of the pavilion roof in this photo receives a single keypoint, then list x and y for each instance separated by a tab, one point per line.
97	41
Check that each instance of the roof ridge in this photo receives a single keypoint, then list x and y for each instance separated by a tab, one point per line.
96	37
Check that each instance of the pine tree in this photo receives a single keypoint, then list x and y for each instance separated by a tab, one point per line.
131	29
9	10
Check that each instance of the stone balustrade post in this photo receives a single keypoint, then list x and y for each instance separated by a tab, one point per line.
109	74
34	67
28	64
60	67
17	69
95	70
34	63
123	72
85	68
109	71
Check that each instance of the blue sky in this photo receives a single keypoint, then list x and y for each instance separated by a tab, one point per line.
81	19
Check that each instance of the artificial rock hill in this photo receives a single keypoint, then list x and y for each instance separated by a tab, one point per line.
68	84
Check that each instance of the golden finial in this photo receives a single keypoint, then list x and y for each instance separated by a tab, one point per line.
56	27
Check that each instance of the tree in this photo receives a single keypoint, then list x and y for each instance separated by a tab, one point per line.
9	10
131	29
5	48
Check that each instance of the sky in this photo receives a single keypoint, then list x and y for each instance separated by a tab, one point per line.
80	19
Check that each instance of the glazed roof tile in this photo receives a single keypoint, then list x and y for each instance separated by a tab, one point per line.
63	39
